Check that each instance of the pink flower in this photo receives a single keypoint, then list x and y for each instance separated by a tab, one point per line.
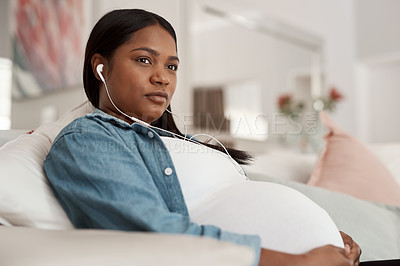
335	95
284	100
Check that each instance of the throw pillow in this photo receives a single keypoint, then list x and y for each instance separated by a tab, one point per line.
347	166
26	198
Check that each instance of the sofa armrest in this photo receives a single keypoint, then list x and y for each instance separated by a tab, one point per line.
22	246
7	135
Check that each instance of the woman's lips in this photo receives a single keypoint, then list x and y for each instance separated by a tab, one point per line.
158	96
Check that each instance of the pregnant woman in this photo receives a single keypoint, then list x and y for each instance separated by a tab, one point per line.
126	166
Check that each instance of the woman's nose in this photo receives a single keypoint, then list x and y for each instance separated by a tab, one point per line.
160	77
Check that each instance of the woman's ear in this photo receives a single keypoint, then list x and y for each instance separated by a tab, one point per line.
96	60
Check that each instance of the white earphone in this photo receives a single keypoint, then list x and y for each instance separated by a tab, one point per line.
99	69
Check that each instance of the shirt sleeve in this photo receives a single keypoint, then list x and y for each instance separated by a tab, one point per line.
101	183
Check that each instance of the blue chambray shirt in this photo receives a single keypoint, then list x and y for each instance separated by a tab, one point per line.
111	175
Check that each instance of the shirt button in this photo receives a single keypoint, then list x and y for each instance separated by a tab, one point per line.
168	171
151	135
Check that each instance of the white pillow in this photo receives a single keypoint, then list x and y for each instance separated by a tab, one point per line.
26	198
389	154
7	135
284	164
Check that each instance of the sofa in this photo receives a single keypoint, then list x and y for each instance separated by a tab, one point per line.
34	229
23	246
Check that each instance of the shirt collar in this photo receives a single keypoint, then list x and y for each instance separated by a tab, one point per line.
109	118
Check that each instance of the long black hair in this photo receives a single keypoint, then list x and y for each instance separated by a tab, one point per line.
111	31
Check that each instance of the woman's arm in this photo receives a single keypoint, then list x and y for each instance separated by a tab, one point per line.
103	183
327	255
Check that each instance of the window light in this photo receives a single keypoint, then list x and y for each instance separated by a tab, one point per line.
5	93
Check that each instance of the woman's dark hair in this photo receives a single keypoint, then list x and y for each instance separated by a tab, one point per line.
111	31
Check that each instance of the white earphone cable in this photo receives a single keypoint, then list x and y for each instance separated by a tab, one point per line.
237	166
183	122
130	117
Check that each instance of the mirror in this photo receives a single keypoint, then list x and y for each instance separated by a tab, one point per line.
249	60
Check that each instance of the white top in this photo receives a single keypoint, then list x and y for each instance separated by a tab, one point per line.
201	170
216	193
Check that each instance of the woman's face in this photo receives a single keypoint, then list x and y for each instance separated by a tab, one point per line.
141	76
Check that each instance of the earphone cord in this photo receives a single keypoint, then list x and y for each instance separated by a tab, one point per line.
226	151
183	122
174	134
130	117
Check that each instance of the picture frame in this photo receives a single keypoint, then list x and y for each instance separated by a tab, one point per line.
47	40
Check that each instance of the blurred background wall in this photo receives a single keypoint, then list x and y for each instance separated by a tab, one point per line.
360	57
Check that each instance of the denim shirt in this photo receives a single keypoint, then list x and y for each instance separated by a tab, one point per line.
109	174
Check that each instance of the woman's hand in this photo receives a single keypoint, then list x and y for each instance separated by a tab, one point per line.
352	249
326	255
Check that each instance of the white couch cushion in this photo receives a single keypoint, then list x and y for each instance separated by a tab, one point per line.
104	248
8	135
283	163
389	154
25	195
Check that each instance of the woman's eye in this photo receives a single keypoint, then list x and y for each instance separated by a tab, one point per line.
144	60
172	67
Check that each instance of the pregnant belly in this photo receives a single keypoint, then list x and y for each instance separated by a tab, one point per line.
285	219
